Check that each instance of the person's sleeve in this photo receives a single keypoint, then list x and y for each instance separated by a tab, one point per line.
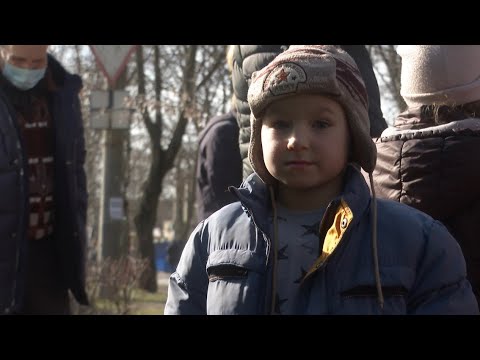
80	165
187	288
223	167
441	287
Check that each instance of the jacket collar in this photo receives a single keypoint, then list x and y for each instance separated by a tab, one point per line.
255	197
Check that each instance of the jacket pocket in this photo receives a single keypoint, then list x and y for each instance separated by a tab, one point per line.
226	271
236	279
358	294
371	291
363	300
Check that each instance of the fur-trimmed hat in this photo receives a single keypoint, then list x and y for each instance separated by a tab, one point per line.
440	74
312	69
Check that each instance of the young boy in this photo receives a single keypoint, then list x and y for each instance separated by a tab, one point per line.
303	237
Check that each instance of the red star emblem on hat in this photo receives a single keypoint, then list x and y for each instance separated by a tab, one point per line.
282	76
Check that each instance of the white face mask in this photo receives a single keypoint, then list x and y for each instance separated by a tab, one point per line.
23	79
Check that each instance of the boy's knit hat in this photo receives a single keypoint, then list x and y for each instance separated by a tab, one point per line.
312	69
440	74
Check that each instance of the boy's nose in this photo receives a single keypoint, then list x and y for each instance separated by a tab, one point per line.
295	144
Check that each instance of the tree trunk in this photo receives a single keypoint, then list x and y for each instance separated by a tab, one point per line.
388	65
178	221
145	222
191	195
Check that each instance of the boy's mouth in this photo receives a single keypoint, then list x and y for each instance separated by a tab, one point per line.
299	163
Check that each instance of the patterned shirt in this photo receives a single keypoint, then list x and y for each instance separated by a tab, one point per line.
36	127
298	248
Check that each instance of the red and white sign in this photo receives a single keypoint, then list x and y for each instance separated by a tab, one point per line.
112	59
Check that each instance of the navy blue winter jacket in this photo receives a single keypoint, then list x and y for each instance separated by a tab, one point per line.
70	192
219	164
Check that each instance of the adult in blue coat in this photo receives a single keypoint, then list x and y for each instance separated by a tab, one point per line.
44	198
219	164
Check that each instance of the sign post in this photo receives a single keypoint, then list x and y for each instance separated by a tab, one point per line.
110	114
112	60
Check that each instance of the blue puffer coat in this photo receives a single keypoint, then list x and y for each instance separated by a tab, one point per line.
226	267
70	193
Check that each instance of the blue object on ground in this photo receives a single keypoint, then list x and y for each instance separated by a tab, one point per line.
161	262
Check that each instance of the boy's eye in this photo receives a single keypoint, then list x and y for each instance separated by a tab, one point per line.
280	124
320	124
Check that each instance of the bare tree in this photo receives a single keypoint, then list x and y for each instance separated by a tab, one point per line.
185	191
178	74
213	97
388	65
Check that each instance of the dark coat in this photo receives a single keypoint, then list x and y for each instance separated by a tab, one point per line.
435	168
219	164
70	192
249	58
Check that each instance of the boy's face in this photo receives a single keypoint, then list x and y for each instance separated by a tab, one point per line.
305	141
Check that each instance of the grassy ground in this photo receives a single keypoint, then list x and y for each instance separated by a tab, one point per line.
142	302
145	303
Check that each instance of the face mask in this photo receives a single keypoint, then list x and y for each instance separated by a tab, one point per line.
23	79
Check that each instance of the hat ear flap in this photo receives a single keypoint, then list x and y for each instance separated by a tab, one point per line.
255	151
254	75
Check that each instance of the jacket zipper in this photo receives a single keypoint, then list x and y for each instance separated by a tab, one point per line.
268	247
250	213
322	233
19	233
19	237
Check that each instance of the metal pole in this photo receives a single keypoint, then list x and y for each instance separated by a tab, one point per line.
112	225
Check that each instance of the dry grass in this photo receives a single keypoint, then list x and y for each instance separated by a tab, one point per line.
145	303
139	302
